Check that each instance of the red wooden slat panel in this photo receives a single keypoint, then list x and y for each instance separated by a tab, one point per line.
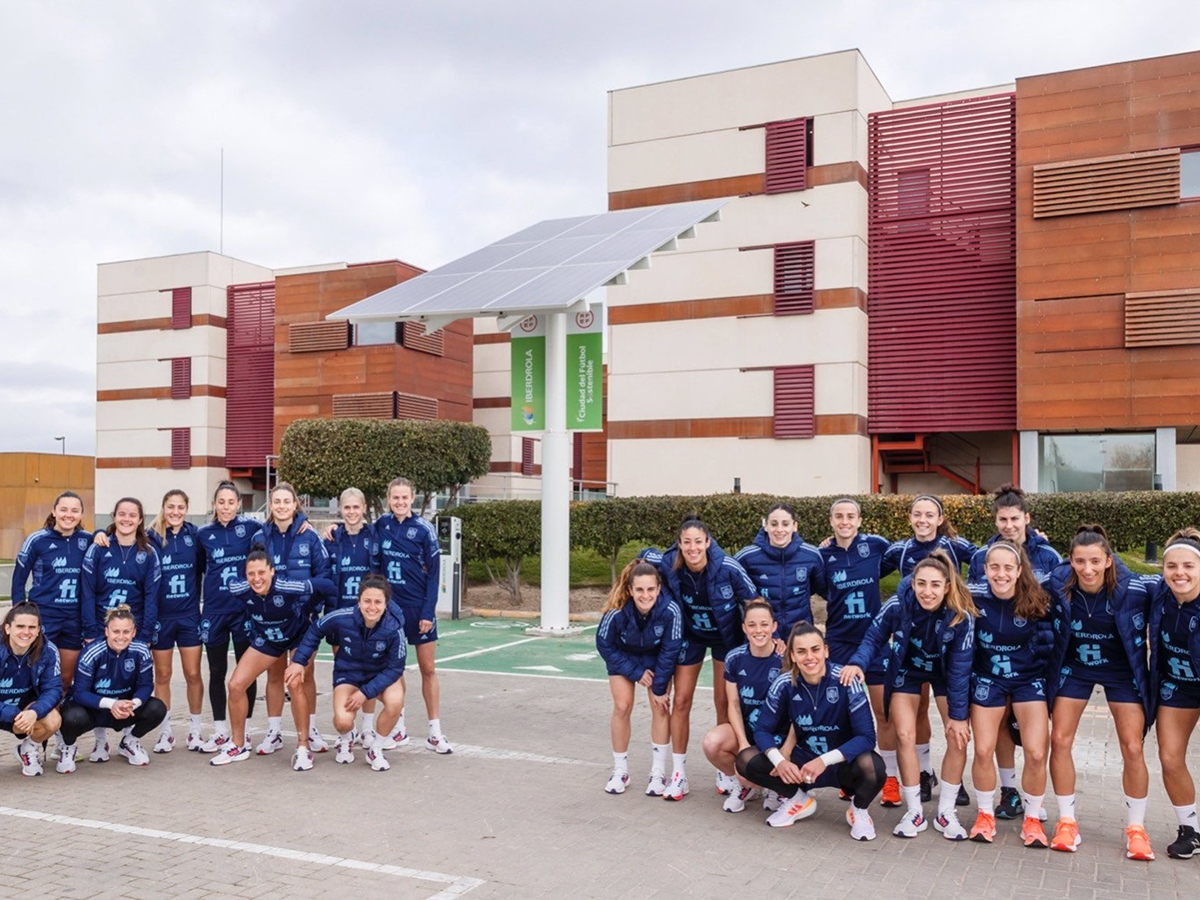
181	377
181	448
181	307
311	337
787	156
365	406
942	267
412	406
793	278
794	402
526	456
250	391
413	336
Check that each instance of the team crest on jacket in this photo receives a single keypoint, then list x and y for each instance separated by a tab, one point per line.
411	533
1139	621
187	540
802	573
304	549
864	551
772	675
141	557
831	694
380	645
83	543
658	631
130	664
278	600
726	592
240	530
1019	621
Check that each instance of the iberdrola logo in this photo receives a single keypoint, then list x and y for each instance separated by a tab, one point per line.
527	414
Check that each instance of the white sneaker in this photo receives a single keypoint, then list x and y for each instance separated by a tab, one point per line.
195	741
736	801
99	753
131	748
165	743
861	826
656	785
58	745
271	742
677	788
217	743
792	810
398	738
345	751
616	782
727	784
911	824
302	759
66	759
230	753
771	801
950	827
27	755
366	739
437	743
377	761
316	743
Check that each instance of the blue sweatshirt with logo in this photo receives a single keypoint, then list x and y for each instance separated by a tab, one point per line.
710	600
116	575
411	562
371	658
786	577
225	550
351	556
55	562
852	593
182	561
1042	557
19	679
631	643
104	672
301	556
827	716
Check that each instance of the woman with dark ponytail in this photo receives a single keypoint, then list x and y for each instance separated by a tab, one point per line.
30	684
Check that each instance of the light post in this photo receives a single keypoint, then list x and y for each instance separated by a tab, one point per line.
62	439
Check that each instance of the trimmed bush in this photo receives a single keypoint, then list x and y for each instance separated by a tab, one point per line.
500	534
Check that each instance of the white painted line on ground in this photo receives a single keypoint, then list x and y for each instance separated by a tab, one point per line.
699	687
539	668
456	885
489	649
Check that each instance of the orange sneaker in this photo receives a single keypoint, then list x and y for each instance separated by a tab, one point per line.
1066	836
891	792
984	829
1137	843
1033	835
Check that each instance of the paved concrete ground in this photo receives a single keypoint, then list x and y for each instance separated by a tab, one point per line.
519	811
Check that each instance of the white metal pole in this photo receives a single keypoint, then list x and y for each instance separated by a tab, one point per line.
556	484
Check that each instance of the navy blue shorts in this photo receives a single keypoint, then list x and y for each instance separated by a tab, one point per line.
693	651
65	634
412	627
1079	684
275	648
647	661
183	631
1177	695
912	681
358	680
995	692
216	630
875	673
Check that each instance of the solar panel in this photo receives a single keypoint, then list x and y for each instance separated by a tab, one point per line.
547	266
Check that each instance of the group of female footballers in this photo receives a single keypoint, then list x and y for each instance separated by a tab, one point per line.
1011	655
96	619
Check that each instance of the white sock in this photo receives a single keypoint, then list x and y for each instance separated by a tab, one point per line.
658	758
1135	809
1008	778
948	797
400	723
1066	805
312	723
58	739
221	726
801	796
166	725
1186	814
1033	805
368	721
377	741
986	801
621	762
345	735
435	727
889	762
100	734
912	797
679	763
194	722
274	724
126	732
923	757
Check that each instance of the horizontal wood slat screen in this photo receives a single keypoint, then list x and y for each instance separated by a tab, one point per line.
413	337
1162	319
412	406
1101	184
787	156
365	406
794	278
311	337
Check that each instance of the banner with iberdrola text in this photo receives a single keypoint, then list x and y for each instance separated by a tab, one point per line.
585	370
528	355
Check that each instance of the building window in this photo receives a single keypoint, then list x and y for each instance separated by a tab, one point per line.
181	378
526	456
181	448
794	402
369	333
1096	462
789	154
181	307
794	278
1189	174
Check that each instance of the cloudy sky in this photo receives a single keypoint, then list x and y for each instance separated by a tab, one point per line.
357	130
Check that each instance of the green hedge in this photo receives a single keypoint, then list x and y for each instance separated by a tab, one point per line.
500	532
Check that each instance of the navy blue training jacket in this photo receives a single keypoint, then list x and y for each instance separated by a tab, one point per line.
182	561
626	638
372	658
727	583
787	577
18	679
1042	557
116	575
352	557
225	550
103	672
411	562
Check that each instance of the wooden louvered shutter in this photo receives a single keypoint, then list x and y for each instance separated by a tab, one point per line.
526	456
787	156
413	336
181	448
794	402
181	307
794	278
181	377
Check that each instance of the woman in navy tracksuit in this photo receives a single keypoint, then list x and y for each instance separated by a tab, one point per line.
834	736
296	554
1106	646
124	573
709	587
1174	638
785	570
225	543
114	687
639	639
1019	632
368	664
182	559
30	684
927	630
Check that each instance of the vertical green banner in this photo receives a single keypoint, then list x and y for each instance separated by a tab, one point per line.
528	358
585	371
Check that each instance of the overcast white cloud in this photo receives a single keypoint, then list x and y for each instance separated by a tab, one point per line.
367	130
